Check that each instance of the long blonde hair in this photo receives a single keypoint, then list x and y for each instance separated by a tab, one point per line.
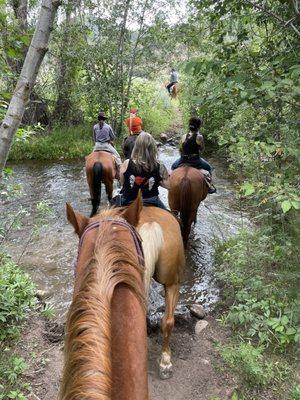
144	153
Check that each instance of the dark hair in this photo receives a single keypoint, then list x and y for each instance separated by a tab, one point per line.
194	124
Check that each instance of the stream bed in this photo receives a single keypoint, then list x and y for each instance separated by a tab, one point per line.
49	255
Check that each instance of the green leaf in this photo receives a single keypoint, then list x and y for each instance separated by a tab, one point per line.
296	204
25	39
11	52
286	205
248	189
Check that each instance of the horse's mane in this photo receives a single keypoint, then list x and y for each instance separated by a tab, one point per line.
88	372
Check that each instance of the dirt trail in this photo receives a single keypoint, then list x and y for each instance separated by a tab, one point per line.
197	367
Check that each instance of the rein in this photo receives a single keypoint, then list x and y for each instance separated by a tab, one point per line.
134	234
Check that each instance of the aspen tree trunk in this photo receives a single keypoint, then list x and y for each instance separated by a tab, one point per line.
34	57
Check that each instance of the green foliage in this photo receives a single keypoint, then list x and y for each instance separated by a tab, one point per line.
245	85
259	282
48	311
250	362
11	385
17	297
295	395
155	107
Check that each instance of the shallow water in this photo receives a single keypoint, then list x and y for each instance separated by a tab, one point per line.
49	257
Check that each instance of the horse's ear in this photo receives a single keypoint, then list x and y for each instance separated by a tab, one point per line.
77	220
132	212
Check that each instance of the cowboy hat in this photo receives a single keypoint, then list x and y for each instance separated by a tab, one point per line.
102	115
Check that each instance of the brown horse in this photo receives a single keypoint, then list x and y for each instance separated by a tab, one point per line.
100	167
106	339
187	189
174	91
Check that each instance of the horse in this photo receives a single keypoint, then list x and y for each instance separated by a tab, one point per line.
187	189
128	145
100	167
174	91
106	334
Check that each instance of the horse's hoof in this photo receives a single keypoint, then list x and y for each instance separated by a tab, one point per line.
165	366
165	372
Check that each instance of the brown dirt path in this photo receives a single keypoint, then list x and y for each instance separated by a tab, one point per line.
197	372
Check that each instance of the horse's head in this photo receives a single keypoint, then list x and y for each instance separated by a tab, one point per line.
108	305
87	229
131	214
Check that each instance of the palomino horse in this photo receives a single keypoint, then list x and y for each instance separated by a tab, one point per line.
106	337
100	167
187	189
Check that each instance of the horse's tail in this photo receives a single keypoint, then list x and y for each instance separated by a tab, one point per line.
88	367
97	177
185	208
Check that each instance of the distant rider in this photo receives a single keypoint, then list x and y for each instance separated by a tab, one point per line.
173	80
103	136
192	144
143	171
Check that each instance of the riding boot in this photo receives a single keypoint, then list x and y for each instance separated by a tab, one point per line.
211	187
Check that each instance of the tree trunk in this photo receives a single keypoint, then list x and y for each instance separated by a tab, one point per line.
125	96
120	65
33	60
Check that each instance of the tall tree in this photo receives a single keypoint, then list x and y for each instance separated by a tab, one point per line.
34	57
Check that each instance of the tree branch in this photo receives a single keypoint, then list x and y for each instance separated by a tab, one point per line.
277	17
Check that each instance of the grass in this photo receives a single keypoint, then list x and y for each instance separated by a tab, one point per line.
61	143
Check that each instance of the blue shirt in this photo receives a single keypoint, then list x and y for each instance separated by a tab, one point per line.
103	134
174	76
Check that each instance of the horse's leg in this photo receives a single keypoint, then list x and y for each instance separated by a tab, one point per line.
109	189
171	298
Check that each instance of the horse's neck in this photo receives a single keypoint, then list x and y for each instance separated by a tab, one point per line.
129	346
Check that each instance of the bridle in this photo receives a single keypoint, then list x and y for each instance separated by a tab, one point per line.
119	222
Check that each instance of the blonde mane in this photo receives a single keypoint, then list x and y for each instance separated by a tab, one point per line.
87	373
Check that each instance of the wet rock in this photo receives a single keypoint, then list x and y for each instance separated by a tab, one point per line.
200	326
163	137
42	295
197	311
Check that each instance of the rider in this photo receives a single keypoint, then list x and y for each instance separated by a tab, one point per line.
143	171
173	79
192	144
134	124
103	136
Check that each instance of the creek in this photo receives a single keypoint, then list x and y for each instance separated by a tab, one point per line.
49	256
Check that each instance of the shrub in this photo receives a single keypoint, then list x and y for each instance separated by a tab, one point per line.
17	297
259	278
155	108
250	362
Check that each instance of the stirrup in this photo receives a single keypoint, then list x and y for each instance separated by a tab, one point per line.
211	187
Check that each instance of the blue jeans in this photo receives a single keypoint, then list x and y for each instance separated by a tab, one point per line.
196	162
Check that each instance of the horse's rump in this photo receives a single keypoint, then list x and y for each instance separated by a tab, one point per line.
107	161
187	189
